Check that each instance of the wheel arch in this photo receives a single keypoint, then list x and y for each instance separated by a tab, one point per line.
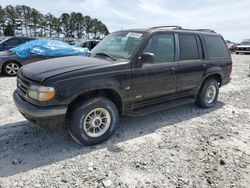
217	76
108	93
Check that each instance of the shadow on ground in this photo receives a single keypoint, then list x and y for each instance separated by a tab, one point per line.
31	147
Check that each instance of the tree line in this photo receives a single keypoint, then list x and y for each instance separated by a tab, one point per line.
26	21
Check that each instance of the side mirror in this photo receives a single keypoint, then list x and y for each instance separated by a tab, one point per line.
147	58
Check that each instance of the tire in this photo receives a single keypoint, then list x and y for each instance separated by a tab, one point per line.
83	122
11	68
208	94
237	53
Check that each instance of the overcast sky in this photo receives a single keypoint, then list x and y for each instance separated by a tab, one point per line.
231	18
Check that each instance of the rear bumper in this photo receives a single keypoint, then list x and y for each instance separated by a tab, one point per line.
46	117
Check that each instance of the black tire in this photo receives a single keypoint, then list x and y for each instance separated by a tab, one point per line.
237	53
79	113
201	100
7	68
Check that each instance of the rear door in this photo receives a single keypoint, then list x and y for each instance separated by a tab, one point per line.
155	81
191	64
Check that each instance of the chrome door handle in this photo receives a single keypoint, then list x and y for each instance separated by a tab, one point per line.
172	69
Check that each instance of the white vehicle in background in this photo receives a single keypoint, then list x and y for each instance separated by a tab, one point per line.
243	47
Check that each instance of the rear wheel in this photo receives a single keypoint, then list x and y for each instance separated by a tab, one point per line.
208	94
93	121
11	68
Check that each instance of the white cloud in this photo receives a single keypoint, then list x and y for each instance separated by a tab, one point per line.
120	14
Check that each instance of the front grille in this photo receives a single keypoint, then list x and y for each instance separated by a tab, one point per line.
243	49
22	85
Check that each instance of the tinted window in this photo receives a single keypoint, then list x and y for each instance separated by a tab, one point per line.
162	46
25	40
12	42
216	47
188	47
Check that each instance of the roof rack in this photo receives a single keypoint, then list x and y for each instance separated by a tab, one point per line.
172	26
207	30
179	27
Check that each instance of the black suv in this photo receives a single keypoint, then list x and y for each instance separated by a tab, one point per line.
131	72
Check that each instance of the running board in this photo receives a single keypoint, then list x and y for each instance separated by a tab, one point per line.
160	107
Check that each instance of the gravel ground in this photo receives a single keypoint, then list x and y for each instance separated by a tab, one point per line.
181	147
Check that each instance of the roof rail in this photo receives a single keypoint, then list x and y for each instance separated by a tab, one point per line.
179	27
206	30
173	26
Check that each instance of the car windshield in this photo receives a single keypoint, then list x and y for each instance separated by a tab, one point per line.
78	44
245	43
118	45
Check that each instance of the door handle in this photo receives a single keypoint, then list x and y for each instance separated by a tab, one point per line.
172	69
204	65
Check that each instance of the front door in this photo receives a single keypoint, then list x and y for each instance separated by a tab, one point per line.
155	81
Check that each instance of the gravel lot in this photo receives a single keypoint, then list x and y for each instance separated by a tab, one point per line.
181	147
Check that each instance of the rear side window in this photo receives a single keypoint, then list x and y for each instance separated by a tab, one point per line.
11	42
216	47
188	47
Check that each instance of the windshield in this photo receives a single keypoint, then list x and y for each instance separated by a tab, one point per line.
78	44
119	45
245	43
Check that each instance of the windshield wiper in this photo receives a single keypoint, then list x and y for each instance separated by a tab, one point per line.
105	55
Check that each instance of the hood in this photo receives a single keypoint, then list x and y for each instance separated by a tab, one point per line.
41	70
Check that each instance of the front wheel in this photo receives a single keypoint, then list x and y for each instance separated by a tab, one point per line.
93	121
11	68
208	94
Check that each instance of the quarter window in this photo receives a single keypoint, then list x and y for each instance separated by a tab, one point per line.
188	47
162	46
216	47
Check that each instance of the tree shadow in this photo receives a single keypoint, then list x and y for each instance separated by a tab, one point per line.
30	147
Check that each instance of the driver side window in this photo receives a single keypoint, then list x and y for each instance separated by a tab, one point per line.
162	46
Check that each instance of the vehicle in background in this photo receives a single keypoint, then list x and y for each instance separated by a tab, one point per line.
243	47
231	46
130	72
90	44
36	50
11	42
70	41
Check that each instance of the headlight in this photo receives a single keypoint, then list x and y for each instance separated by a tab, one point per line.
41	93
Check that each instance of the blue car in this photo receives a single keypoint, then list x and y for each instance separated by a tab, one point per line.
36	50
